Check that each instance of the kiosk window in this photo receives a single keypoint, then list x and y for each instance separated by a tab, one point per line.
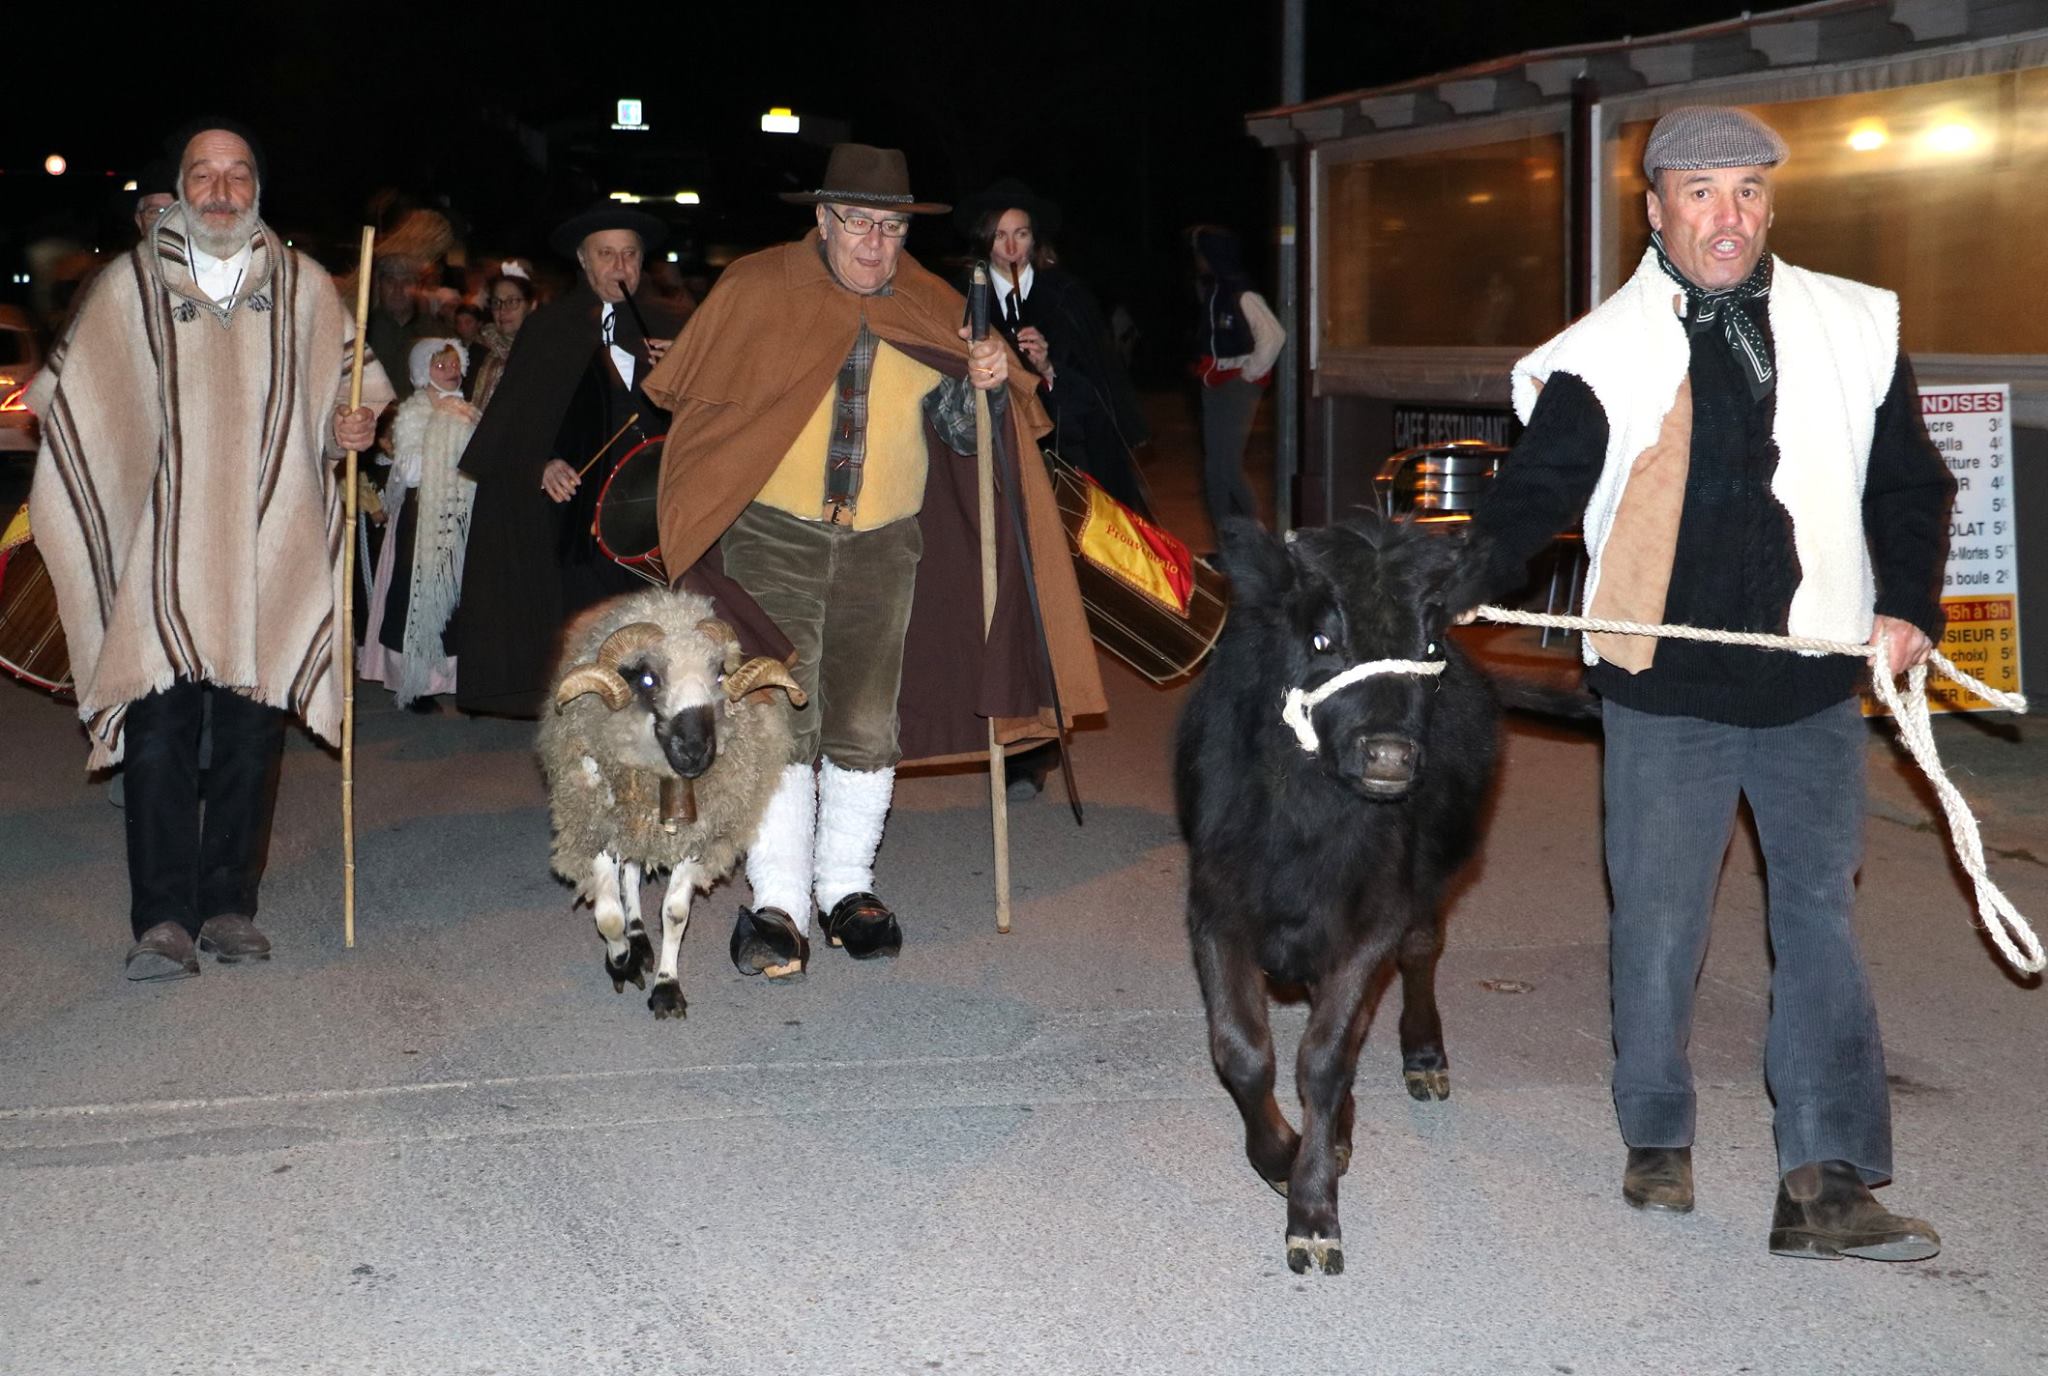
1928	190
1453	247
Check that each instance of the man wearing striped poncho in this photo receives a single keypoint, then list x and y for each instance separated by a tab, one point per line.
191	516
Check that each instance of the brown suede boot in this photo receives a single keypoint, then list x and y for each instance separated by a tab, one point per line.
1825	1211
1659	1179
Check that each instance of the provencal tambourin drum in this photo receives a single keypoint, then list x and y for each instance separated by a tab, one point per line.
1146	631
31	639
628	522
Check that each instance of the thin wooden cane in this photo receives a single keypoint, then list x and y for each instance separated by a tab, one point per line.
998	784
348	609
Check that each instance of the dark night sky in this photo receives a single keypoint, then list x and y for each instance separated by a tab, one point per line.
1129	112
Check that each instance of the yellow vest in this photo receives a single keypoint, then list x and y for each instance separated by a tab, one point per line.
892	475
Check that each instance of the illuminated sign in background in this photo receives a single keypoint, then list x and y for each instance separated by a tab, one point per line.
1972	427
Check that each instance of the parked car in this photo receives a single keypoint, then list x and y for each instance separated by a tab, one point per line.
21	357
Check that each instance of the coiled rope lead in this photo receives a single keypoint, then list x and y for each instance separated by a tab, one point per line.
2009	931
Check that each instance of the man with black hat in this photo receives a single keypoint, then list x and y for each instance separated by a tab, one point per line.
1743	442
574	380
824	400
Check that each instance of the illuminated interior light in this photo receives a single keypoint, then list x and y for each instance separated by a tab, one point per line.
55	164
1868	135
1479	198
1953	137
688	198
781	120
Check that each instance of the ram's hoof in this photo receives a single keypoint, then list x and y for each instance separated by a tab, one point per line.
633	965
1425	1085
667	1000
1326	1253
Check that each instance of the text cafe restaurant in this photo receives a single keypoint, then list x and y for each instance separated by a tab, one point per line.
1453	222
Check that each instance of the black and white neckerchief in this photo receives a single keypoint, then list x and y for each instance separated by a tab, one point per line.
1746	341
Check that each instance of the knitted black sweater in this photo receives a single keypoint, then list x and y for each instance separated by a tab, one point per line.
1735	567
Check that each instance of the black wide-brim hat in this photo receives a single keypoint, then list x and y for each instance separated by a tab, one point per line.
570	234
878	178
1009	194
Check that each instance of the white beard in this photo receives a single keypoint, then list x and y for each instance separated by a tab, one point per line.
225	243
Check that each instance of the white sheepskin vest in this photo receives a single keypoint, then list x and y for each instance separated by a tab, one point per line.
1836	344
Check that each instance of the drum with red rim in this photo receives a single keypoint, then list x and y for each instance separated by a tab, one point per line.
628	521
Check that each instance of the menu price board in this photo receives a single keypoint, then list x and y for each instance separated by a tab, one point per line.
1971	426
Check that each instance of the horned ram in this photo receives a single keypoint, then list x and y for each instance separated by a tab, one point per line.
661	753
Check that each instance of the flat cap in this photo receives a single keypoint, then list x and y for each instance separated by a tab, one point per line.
1705	136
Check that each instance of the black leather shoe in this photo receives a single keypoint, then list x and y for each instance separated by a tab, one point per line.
231	937
1658	1179
163	952
1825	1211
863	924
766	941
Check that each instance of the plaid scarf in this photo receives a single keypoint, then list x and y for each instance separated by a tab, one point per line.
1746	341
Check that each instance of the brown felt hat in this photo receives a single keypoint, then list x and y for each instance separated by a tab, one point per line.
879	178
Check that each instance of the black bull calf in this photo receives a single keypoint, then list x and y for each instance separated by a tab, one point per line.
1319	849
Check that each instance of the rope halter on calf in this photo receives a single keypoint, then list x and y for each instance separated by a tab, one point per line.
2009	931
1299	708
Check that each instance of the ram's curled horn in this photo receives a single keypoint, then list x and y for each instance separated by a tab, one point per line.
763	673
589	678
624	641
716	631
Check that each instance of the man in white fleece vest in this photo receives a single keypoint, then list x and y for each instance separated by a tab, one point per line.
1741	440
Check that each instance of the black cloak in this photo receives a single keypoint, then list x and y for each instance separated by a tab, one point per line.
512	602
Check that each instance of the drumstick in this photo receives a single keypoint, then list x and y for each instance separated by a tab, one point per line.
608	444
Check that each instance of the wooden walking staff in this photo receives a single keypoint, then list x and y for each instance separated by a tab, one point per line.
998	785
348	610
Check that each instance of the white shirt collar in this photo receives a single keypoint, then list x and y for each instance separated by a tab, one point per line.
220	278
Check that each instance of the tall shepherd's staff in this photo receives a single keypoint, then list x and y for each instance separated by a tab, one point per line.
989	413
348	611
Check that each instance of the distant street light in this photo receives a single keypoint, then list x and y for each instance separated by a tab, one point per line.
55	164
688	198
781	120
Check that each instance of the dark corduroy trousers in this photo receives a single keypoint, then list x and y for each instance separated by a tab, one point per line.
843	597
197	836
1672	785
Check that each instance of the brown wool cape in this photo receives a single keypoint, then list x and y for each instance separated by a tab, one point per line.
184	498
741	383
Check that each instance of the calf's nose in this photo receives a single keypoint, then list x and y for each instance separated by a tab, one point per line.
1383	759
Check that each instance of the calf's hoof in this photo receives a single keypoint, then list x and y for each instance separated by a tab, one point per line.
1326	1254
667	1000
1425	1085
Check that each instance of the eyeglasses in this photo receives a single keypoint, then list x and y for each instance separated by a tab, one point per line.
506	303
858	224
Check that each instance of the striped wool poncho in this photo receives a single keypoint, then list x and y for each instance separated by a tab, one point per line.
185	497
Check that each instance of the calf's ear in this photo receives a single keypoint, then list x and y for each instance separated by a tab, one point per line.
1472	573
1255	561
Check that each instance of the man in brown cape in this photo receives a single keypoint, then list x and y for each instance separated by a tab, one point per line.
185	500
823	400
